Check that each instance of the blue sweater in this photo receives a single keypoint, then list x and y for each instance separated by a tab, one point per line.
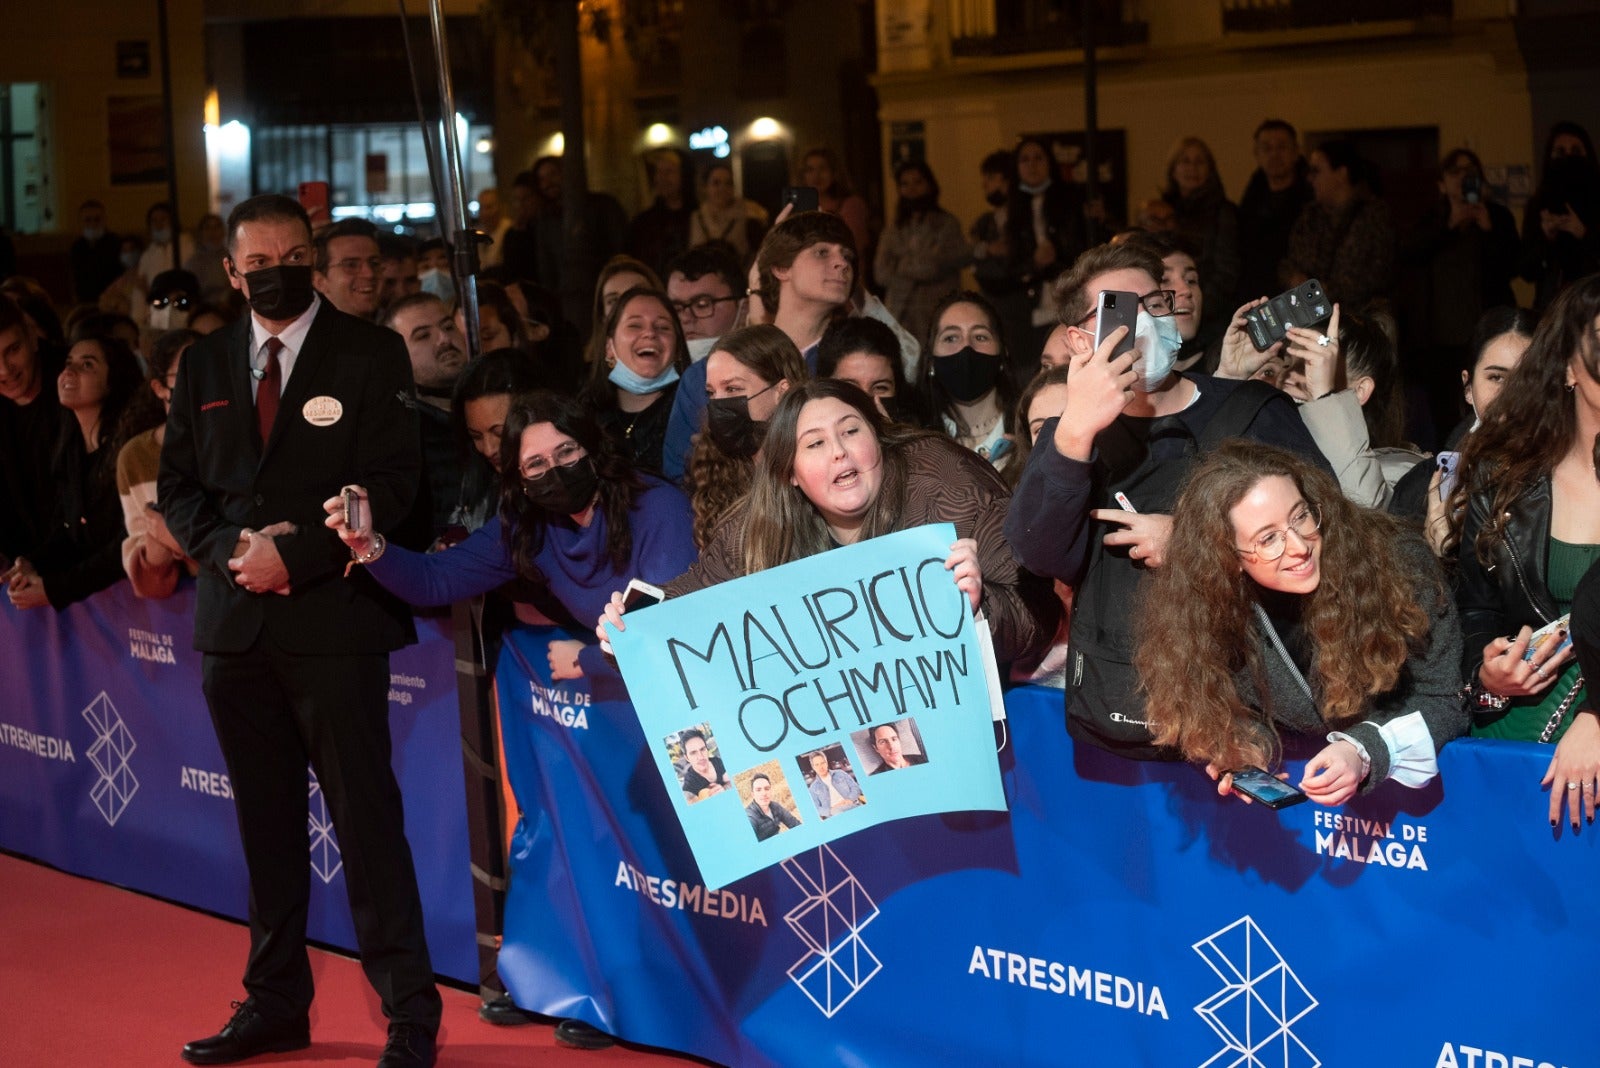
573	561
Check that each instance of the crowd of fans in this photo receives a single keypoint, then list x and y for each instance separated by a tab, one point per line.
1222	553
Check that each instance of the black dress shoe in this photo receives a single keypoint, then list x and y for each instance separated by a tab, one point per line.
248	1034
409	1046
503	1012
579	1035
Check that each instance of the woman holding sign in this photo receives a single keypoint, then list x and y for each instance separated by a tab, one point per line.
1285	609
574	514
832	473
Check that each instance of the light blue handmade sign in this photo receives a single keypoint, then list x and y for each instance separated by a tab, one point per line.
793	707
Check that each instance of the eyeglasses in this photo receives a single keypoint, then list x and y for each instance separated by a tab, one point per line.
699	307
1158	302
1270	545
354	264
566	454
176	300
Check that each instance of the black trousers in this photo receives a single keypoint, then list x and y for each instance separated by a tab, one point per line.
274	713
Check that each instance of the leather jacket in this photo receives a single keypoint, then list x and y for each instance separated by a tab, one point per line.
1510	592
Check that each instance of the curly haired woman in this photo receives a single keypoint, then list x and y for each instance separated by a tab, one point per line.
1285	609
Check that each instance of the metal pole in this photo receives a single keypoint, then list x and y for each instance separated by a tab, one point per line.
463	239
172	147
1091	123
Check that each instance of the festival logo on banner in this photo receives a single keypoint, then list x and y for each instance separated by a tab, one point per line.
790	708
112	747
1260	1001
836	908
326	860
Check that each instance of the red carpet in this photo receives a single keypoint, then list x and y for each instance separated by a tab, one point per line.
93	975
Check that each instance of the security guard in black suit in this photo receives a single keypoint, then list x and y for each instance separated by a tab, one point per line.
269	419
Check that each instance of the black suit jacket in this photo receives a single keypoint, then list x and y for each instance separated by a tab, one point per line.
217	478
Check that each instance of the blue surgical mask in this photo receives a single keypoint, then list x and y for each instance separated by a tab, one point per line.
439	284
1156	341
624	377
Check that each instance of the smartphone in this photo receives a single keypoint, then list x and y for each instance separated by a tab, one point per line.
1446	462
640	594
1546	634
1116	308
1471	189
803	197
1267	789
1304	305
355	514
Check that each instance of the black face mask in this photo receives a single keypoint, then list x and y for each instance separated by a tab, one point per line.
731	428
280	293
966	375
923	203
563	491
996	197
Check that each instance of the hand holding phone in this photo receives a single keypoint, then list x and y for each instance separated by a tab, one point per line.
355	509
1446	462
1304	305
1267	789
640	594
1116	308
803	197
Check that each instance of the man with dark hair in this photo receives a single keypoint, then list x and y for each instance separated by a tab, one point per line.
348	267
1129	431
886	743
994	261
30	423
705	774
605	233
438	356
519	255
95	255
705	285
661	231
1272	200
398	275
767	817
270	417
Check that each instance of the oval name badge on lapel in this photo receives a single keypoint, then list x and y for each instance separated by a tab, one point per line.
322	411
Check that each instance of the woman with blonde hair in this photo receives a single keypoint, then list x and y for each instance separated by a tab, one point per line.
1283	609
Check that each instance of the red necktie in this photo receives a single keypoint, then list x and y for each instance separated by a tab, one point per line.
267	390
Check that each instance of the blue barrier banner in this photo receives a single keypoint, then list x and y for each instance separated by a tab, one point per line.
776	701
109	767
1119	913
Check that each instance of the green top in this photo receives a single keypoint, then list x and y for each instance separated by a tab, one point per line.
1525	717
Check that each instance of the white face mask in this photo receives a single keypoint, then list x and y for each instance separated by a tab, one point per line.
701	347
165	318
1156	342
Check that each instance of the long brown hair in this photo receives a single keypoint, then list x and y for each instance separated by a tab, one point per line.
1530	425
781	524
714	480
1364	618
